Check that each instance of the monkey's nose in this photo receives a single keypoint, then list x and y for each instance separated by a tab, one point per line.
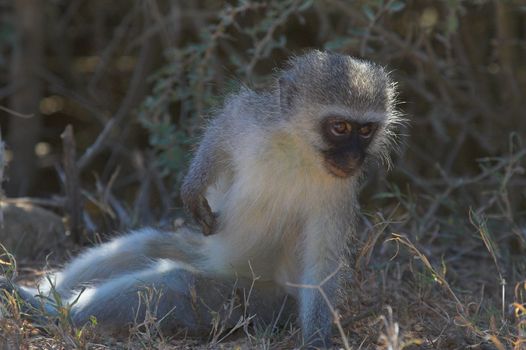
355	161
339	168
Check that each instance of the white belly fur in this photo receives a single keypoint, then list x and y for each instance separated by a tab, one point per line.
261	212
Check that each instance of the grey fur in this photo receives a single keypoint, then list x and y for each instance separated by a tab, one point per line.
308	87
260	190
120	281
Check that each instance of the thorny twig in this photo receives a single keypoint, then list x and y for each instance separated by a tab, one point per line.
262	44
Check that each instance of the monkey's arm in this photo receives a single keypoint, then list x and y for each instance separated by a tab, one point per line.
205	167
324	254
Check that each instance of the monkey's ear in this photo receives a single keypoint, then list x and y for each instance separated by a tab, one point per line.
287	91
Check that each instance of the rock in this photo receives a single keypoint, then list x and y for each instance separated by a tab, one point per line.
28	231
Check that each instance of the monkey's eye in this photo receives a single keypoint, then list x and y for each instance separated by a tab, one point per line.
366	130
339	128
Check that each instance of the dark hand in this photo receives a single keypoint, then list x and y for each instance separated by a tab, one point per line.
198	207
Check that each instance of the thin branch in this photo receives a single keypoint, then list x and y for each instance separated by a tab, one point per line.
2	165
130	99
72	184
262	44
15	113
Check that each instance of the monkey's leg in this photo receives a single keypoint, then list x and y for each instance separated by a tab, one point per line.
130	252
322	257
177	295
315	315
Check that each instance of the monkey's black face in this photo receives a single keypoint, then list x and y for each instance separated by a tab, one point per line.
347	143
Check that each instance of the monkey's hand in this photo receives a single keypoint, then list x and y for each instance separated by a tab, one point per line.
198	207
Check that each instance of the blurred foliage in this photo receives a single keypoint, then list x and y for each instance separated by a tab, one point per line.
139	79
461	68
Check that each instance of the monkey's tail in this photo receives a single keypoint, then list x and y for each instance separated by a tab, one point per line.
29	301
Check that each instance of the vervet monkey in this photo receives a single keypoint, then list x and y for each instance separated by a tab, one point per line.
274	185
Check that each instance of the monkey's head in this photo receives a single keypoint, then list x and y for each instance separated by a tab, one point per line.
343	107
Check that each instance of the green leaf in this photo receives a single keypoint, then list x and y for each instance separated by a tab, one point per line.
452	24
396	6
384	195
339	43
369	13
307	4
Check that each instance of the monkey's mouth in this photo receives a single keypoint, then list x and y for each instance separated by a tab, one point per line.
339	170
